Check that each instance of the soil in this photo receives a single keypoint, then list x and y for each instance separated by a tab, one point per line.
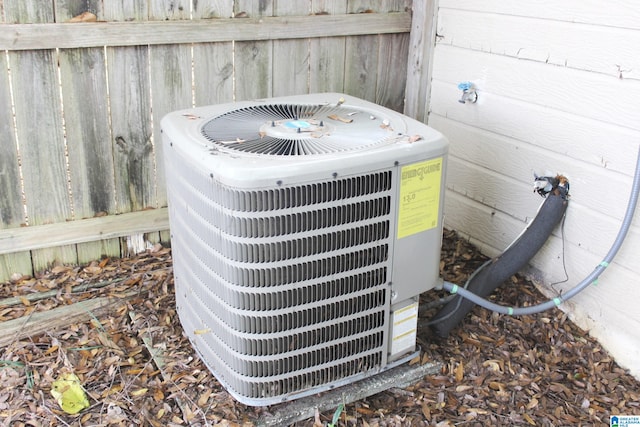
137	368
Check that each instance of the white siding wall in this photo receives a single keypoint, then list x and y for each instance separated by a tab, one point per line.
559	92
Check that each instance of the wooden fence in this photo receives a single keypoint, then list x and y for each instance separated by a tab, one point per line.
81	170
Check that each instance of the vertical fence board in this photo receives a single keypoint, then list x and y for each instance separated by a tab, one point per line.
376	66
421	44
395	5
326	58
211	9
360	67
392	62
213	62
170	71
28	12
83	83
327	54
213	73
171	89
165	10
40	133
291	57
125	10
11	211
392	71
253	59
15	263
361	59
67	9
90	151
88	142
131	129
365	6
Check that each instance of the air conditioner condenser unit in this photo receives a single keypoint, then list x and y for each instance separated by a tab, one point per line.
303	231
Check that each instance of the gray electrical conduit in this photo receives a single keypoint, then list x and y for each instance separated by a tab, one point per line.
591	278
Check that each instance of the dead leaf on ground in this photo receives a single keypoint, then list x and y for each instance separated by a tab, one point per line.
501	370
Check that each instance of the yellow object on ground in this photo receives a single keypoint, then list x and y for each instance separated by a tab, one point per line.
68	391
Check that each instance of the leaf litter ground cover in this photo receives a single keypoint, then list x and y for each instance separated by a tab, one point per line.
128	351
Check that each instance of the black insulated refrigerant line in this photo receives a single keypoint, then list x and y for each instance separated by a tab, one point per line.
501	268
484	282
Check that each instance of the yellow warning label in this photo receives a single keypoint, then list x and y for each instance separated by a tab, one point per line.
419	197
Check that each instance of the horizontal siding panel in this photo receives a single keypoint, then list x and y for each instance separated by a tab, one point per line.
596	206
569	135
516	162
615	13
550	269
594	306
585	234
595	233
492	231
584	228
585	47
590	95
492	189
609	286
493	234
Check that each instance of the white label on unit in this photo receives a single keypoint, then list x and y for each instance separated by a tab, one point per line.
405	328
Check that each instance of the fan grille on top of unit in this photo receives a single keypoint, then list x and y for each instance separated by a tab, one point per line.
297	129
